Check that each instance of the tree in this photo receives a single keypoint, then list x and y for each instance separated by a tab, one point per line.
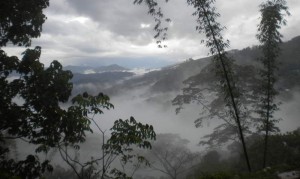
284	154
31	98
212	162
21	20
175	160
125	135
270	38
202	89
37	118
207	24
30	109
155	11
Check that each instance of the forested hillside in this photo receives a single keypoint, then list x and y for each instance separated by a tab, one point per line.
170	78
233	114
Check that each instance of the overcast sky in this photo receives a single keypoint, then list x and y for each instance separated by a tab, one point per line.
103	32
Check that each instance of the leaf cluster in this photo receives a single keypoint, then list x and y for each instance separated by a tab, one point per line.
155	11
30	103
203	89
206	18
21	20
126	137
126	133
29	168
272	19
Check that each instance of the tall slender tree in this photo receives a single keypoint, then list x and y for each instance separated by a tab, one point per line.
204	89
272	18
31	99
207	24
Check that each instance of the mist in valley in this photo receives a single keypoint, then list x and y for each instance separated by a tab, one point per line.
149	101
148	98
116	106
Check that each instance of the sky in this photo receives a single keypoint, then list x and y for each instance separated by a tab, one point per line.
104	32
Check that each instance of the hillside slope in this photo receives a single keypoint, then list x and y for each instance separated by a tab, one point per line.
169	79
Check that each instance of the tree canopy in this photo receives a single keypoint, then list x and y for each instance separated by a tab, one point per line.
227	80
31	98
30	106
270	38
21	20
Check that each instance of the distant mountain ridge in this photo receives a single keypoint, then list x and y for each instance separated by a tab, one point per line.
100	69
105	77
170	79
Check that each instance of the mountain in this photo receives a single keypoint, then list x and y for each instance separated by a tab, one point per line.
96	82
105	77
149	97
288	62
101	69
169	79
110	68
77	69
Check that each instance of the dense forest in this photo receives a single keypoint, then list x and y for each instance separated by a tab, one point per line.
51	117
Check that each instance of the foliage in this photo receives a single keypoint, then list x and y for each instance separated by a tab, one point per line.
30	103
212	162
31	98
269	37
29	168
207	24
285	150
217	175
128	132
21	20
202	89
155	11
31	110
227	80
126	135
22	103
176	160
230	175
30	107
284	156
60	172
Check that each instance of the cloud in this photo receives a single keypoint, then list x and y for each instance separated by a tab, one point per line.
289	113
77	29
119	16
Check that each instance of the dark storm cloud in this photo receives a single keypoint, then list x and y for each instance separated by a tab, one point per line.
123	18
119	16
119	29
